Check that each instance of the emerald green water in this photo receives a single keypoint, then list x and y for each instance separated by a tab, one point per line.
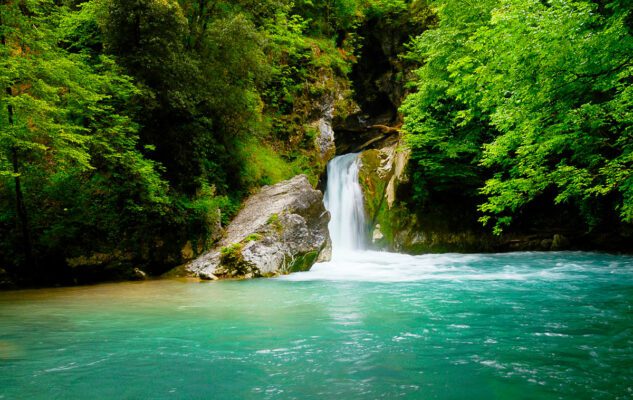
374	325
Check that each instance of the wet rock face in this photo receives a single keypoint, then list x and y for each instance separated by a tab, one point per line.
281	229
379	79
381	174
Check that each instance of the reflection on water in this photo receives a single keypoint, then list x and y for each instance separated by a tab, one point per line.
370	325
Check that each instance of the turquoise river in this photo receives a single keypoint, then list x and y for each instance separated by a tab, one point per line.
368	326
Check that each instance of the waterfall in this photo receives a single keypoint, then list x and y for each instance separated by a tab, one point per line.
344	200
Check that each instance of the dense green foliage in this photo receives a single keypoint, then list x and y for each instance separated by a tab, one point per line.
130	127
521	100
68	148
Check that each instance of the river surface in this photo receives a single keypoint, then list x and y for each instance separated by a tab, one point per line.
367	325
375	325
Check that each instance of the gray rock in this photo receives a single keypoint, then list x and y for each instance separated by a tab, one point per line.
325	139
207	276
377	235
326	253
281	229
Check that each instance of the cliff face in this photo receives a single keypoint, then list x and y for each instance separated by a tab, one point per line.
379	78
449	223
382	172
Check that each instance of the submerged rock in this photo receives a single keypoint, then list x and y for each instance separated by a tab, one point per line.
207	277
139	274
281	229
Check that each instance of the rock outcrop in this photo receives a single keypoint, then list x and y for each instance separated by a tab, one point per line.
325	140
398	224
279	230
381	174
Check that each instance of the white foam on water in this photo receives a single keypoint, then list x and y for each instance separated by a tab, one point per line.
375	266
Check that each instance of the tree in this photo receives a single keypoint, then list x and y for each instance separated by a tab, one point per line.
35	128
532	97
199	68
445	129
66	148
558	88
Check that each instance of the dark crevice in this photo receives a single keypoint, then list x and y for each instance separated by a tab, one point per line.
378	80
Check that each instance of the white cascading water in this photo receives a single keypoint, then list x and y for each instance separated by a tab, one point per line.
344	200
353	261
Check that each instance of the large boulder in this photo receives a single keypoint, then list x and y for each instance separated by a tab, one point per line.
281	229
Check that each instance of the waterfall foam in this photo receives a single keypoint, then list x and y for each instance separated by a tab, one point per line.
344	200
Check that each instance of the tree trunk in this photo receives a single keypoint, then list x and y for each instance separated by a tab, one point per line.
20	207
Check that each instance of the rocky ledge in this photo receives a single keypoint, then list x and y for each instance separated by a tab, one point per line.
281	229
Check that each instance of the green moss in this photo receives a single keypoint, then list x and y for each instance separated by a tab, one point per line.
372	185
302	262
376	208
267	161
273	221
232	263
384	218
231	250
263	165
253	237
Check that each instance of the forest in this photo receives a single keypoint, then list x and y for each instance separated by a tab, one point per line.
131	127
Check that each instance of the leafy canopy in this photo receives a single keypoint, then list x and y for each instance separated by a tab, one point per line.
530	97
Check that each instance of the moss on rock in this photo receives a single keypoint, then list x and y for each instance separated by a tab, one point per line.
233	264
302	262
